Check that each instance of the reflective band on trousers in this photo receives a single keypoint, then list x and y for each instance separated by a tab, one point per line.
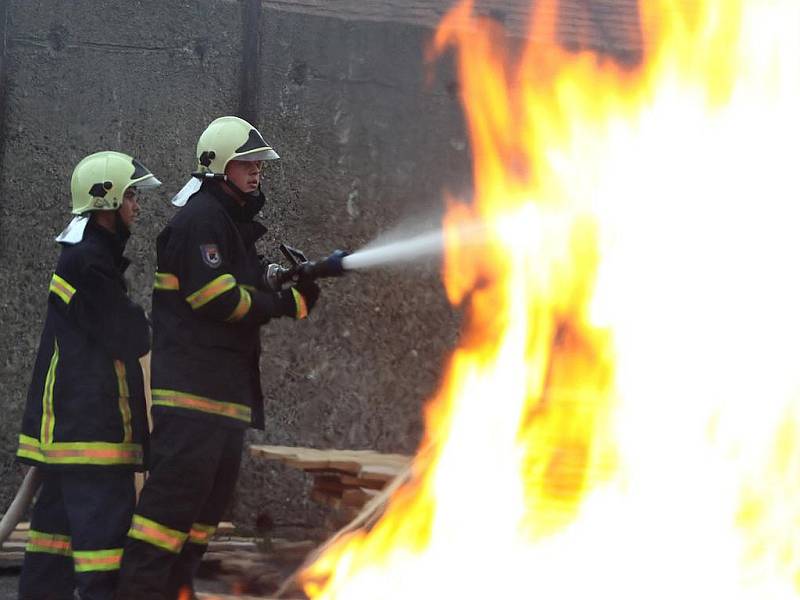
211	290
156	534
199	403
201	534
61	288
97	560
48	412
50	543
243	307
80	453
166	281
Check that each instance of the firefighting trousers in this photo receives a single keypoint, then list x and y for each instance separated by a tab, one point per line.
195	465
77	532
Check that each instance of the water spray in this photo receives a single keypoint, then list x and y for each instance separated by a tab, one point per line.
402	251
413	248
410	249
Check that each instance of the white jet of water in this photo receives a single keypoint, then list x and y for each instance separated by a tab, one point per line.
426	244
410	249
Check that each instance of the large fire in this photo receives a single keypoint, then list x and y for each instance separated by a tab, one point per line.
622	418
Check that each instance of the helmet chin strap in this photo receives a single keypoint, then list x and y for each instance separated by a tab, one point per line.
221	177
242	194
123	231
224	178
235	187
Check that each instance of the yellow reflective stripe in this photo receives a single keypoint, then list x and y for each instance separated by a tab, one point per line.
25	453
124	400
201	534
97	560
125	413
49	543
122	379
243	307
94	453
61	288
211	290
156	534
199	403
29	448
249	288
300	305
48	413
80	453
166	281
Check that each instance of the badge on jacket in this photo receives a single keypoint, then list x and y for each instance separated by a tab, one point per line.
211	255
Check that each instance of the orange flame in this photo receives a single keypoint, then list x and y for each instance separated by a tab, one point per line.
621	416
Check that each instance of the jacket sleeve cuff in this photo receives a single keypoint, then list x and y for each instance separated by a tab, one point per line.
268	305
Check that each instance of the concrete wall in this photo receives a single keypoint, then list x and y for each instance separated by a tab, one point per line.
339	88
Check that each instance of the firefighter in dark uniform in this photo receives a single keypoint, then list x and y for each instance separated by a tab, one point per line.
85	423
209	302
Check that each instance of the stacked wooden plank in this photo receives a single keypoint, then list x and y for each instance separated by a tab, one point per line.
13	549
344	480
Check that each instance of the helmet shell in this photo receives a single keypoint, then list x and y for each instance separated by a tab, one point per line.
230	138
100	180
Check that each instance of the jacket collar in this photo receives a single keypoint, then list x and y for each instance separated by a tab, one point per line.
113	241
240	213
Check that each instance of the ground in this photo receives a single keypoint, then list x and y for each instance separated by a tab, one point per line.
8	584
10	577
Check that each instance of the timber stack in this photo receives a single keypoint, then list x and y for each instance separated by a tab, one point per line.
343	480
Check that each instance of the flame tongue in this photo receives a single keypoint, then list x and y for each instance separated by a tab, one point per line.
621	415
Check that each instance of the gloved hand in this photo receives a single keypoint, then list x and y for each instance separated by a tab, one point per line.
309	293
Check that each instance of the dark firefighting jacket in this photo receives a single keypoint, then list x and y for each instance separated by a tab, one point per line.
86	404
209	301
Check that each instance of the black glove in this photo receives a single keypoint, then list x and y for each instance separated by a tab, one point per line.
310	293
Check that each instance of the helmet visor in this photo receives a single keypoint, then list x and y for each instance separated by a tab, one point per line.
259	154
146	183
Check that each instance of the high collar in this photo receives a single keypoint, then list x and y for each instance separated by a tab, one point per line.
114	241
241	213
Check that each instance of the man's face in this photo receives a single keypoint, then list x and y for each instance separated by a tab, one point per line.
129	210
244	174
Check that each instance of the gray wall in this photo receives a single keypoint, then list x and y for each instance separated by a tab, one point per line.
366	142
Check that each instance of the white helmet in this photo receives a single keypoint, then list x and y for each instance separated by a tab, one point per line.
225	139
99	182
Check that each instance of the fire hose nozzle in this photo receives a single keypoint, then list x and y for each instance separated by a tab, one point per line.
302	269
331	266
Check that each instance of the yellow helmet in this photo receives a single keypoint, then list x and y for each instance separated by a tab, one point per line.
230	138
99	181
